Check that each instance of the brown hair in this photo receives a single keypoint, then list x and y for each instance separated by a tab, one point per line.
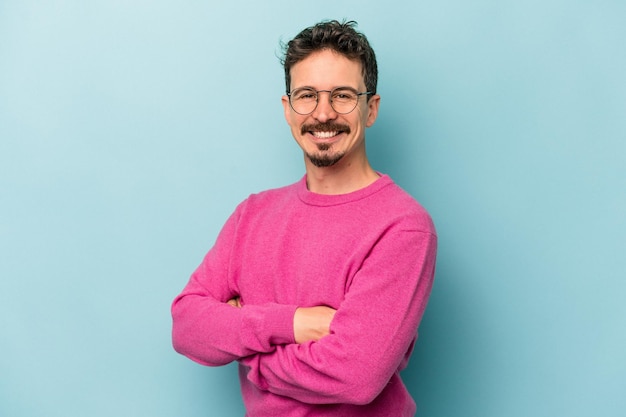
339	37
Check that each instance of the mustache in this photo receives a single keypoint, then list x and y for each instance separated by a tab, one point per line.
325	127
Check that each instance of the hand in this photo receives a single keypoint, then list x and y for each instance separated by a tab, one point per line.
235	302
312	323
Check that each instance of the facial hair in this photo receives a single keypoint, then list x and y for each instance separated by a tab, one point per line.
323	158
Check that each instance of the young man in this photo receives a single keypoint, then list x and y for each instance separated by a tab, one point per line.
317	288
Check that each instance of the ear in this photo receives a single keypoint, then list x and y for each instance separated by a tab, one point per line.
372	110
286	108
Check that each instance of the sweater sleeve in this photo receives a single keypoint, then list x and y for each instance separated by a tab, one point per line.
211	332
372	332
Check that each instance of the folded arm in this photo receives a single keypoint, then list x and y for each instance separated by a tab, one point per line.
207	329
371	334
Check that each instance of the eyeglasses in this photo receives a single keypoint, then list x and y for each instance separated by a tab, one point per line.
342	99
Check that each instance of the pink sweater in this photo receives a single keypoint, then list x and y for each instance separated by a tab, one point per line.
369	254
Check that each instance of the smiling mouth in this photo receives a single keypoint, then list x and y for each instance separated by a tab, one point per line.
325	135
325	130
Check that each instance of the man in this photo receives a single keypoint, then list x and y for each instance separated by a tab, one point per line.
317	288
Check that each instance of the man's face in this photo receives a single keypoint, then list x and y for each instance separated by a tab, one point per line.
327	137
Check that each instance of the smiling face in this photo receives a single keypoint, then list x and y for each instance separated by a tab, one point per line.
326	137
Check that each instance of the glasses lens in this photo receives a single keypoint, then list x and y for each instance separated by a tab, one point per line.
303	100
343	100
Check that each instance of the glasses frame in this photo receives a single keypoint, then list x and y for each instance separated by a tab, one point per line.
330	95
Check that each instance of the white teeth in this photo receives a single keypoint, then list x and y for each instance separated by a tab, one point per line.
324	135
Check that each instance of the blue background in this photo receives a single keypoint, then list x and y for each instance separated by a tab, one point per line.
130	130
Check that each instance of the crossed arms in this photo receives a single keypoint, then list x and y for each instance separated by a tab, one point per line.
343	353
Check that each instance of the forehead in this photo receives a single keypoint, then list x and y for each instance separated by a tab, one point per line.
327	69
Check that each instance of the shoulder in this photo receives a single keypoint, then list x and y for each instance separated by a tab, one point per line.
404	210
270	198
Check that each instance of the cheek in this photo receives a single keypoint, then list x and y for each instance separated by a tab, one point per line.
290	116
363	119
289	119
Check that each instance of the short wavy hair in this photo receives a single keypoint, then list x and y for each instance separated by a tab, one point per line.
341	37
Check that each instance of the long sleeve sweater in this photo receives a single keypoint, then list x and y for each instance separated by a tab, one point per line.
369	254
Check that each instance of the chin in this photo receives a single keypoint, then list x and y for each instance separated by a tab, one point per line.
322	161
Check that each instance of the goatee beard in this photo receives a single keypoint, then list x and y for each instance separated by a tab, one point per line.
321	159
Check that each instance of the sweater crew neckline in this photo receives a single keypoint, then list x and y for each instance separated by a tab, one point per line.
315	199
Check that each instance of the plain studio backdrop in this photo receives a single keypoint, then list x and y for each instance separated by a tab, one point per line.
129	130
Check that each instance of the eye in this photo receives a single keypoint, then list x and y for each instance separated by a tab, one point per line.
344	95
306	94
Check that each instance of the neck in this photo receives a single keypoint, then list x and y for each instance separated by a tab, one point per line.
339	179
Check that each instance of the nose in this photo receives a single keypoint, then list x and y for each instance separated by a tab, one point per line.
324	110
